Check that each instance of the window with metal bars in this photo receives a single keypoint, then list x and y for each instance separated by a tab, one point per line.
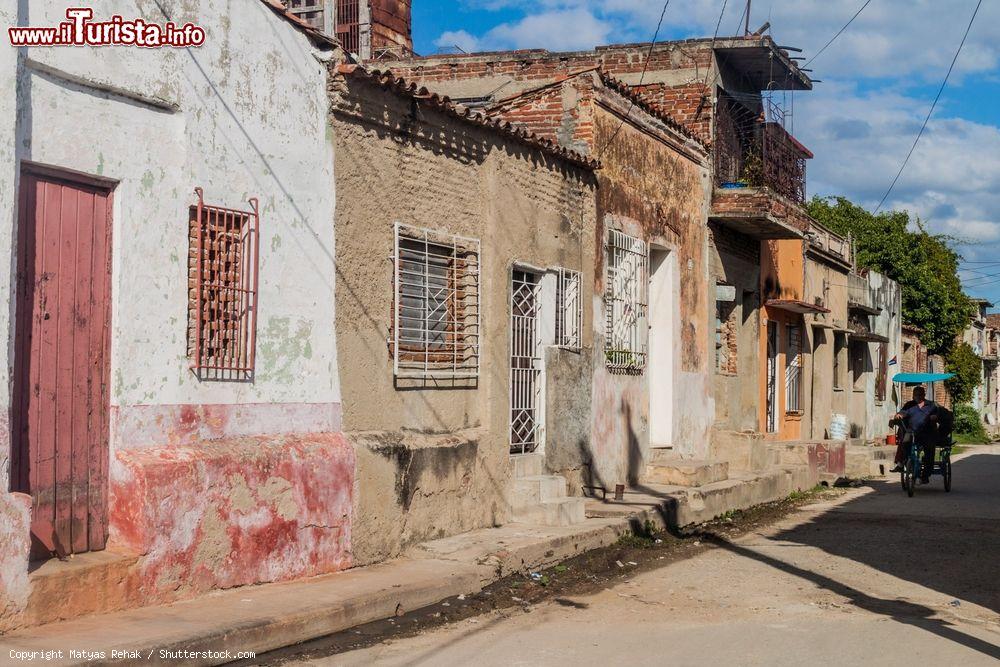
222	290
569	310
436	305
349	26
310	11
626	303
793	369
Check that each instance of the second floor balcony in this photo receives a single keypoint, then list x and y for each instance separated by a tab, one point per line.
760	172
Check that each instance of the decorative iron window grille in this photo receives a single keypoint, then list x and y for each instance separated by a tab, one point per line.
436	305
223	285
793	369
569	310
626	303
525	363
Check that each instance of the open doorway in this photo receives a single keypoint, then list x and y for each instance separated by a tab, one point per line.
663	314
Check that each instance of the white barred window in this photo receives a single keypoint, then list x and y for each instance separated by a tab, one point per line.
435	305
569	310
626	301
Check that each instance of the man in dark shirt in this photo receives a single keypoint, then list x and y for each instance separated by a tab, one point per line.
920	417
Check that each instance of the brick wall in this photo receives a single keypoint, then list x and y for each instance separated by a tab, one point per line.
761	201
689	103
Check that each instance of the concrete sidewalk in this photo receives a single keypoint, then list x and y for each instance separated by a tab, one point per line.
271	616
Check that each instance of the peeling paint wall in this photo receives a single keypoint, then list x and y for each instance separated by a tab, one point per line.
735	262
651	190
245	115
433	456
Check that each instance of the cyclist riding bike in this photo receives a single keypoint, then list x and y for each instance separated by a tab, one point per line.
920	420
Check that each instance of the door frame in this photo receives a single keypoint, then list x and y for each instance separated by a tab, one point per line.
538	390
20	471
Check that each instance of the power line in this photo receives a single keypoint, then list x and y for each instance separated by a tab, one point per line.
933	106
715	36
642	76
839	33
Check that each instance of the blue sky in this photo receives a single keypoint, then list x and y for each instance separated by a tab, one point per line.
879	79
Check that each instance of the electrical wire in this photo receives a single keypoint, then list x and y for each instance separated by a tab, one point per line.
642	77
839	33
933	106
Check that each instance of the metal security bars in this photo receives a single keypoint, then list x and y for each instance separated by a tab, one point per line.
436	305
626	303
525	362
793	369
223	284
569	310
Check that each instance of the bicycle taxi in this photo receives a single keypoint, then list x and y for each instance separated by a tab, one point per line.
913	464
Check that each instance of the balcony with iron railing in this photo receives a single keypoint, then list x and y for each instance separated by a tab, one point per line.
760	171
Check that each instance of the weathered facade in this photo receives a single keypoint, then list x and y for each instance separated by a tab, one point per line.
173	376
650	313
441	390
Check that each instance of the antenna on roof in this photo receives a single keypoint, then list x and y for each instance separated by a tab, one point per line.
746	30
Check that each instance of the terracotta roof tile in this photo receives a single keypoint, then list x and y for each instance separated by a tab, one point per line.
400	86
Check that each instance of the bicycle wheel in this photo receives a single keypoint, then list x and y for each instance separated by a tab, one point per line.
946	471
909	478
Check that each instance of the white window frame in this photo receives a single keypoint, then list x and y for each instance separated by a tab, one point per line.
569	309
626	301
458	355
793	368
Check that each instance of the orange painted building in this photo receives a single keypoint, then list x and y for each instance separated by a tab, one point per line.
782	338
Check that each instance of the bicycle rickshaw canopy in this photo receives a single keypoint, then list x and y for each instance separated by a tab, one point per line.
921	378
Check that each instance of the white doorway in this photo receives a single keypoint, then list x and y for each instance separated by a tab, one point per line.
663	328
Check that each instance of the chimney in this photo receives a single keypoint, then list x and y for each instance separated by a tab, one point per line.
368	29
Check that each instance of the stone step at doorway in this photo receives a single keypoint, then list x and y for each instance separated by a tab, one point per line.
542	499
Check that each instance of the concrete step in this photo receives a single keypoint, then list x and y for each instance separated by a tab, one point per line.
528	465
683	506
865	461
668	468
536	489
556	512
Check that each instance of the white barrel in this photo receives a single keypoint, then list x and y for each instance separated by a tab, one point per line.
839	428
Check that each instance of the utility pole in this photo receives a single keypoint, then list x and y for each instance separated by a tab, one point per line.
747	29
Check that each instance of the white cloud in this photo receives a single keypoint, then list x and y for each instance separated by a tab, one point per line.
460	38
560	30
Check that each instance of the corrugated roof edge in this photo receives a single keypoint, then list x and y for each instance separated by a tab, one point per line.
315	34
400	86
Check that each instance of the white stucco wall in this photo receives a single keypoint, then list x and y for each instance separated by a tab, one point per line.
886	295
244	115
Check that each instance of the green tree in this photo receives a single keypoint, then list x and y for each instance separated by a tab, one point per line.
968	369
924	265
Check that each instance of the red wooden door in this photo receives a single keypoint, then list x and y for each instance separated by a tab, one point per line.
61	361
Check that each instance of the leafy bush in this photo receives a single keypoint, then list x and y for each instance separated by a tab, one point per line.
963	361
968	423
